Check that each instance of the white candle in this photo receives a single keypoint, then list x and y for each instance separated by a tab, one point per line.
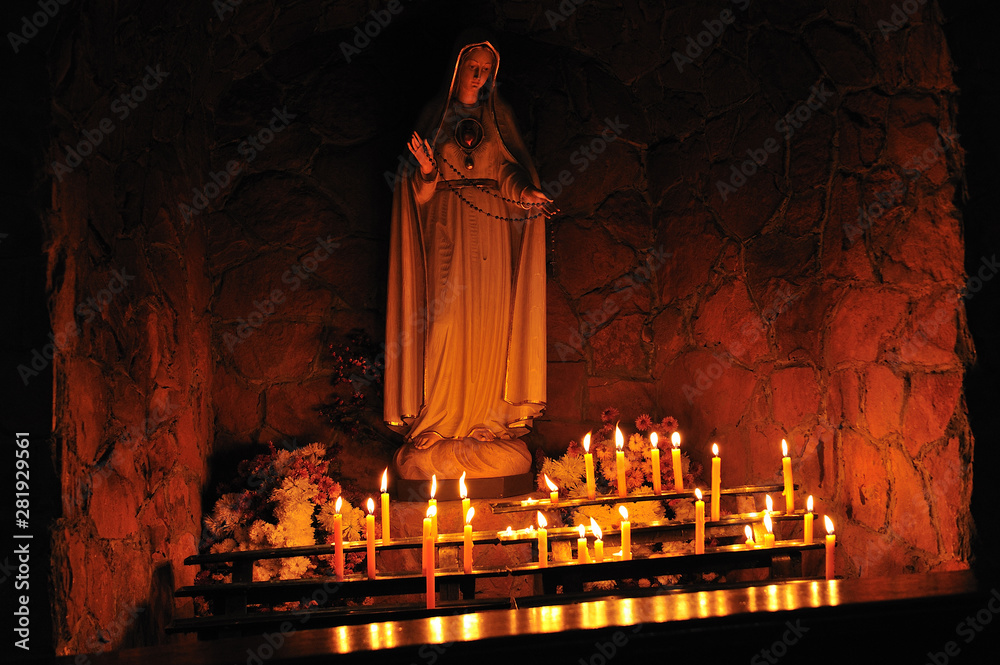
370	536
657	484
626	534
595	528
748	530
588	462
582	553
463	493
769	536
620	462
786	468
429	556
338	541
699	523
716	482
543	542
831	541
807	528
467	533
553	489
385	506
675	454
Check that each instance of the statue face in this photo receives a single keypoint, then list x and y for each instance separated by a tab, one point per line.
474	71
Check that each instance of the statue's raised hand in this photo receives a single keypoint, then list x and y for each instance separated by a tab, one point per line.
421	149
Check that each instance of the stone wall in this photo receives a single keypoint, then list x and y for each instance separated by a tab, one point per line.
709	262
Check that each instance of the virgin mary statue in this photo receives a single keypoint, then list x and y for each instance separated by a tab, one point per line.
465	329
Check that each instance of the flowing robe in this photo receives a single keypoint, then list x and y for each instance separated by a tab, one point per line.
465	333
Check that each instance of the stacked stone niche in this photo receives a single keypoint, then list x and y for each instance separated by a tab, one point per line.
761	309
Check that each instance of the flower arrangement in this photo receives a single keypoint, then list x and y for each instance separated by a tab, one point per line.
282	498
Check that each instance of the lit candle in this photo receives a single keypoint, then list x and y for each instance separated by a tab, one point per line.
463	492
748	530
675	454
768	504
769	536
620	461
716	481
385	506
429	556
543	542
653	440
595	528
433	502
338	541
588	462
370	536
553	490
807	528
786	467
699	523
582	553
626	534
830	542
467	552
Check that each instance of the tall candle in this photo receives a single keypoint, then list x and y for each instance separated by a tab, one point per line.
620	461
786	468
626	534
385	506
370	536
338	541
543	542
582	553
463	492
830	543
807	528
553	490
467	550
748	530
675	454
716	482
699	523
657	484
428	557
588	462
595	529
769	536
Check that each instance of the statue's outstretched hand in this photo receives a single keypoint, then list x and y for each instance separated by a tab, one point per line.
421	149
532	195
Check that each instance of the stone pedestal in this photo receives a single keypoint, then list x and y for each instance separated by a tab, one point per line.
493	469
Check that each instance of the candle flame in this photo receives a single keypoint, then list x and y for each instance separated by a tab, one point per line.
829	523
552	486
434	485
340	501
784	448
809	503
509	531
767	523
768	503
371	506
623	511
586	442
697	493
468	515
749	532
654	439
462	490
582	529
432	511
619	438
715	449
385	480
675	439
542	523
595	528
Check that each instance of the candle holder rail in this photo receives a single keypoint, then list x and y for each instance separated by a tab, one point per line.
614	499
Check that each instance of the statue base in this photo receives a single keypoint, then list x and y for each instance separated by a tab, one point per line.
493	469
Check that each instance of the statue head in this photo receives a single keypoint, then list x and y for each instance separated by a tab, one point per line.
476	68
